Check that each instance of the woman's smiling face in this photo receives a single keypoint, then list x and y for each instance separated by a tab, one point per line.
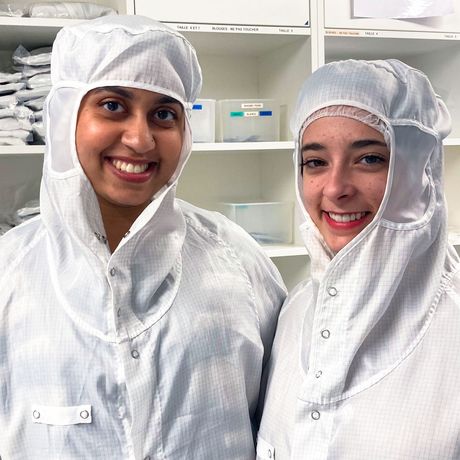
344	169
128	142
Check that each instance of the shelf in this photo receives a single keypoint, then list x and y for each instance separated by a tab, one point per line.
454	237
239	40
284	250
361	44
30	32
399	34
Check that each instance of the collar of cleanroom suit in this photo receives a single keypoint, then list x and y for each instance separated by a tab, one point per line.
364	352
155	350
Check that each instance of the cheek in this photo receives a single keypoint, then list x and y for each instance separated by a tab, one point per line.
311	193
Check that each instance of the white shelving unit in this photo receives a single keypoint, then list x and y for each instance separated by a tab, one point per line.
248	51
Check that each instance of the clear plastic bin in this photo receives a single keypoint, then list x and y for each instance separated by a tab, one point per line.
267	223
203	120
248	120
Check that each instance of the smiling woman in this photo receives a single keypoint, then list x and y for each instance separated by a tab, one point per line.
129	143
132	324
365	360
344	171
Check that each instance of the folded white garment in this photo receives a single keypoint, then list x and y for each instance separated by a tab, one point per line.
20	112
43	79
29	71
9	88
9	100
22	134
69	10
12	141
35	104
7	77
29	94
16	8
36	57
10	124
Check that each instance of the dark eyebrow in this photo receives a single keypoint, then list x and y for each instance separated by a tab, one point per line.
121	91
315	146
115	89
368	142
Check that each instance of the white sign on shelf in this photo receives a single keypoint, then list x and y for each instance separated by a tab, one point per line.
402	9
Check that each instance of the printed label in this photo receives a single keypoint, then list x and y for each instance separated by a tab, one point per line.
252	105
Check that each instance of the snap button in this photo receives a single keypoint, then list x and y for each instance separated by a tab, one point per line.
319	374
97	235
147	458
119	312
325	333
315	415
113	271
135	354
332	291
84	414
269	453
36	414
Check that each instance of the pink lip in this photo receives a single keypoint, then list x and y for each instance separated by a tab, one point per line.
344	225
132	177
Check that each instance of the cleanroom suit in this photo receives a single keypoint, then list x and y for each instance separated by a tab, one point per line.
365	363
153	351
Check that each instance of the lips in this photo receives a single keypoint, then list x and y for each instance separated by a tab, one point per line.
131	170
345	220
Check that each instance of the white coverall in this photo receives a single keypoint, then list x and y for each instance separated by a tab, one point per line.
154	351
365	364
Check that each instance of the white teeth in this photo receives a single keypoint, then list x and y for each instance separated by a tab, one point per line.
346	217
130	167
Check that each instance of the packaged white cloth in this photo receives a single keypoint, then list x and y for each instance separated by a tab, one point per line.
35	104
23	134
18	111
10	140
15	8
38	81
30	94
8	101
30	71
69	10
8	77
365	362
154	350
12	123
36	57
9	88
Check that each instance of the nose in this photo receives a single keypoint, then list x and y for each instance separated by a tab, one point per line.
339	184
138	134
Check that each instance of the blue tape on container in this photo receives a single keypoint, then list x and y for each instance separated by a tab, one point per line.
197	107
265	113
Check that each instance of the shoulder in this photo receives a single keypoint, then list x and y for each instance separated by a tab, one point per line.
212	228
211	224
16	244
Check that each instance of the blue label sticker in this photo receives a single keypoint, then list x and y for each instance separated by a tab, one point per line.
197	107
266	113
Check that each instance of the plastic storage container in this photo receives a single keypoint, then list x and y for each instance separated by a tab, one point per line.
268	223
204	120
248	120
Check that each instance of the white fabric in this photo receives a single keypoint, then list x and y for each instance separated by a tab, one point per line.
68	10
39	80
7	77
36	57
11	87
164	338
365	362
